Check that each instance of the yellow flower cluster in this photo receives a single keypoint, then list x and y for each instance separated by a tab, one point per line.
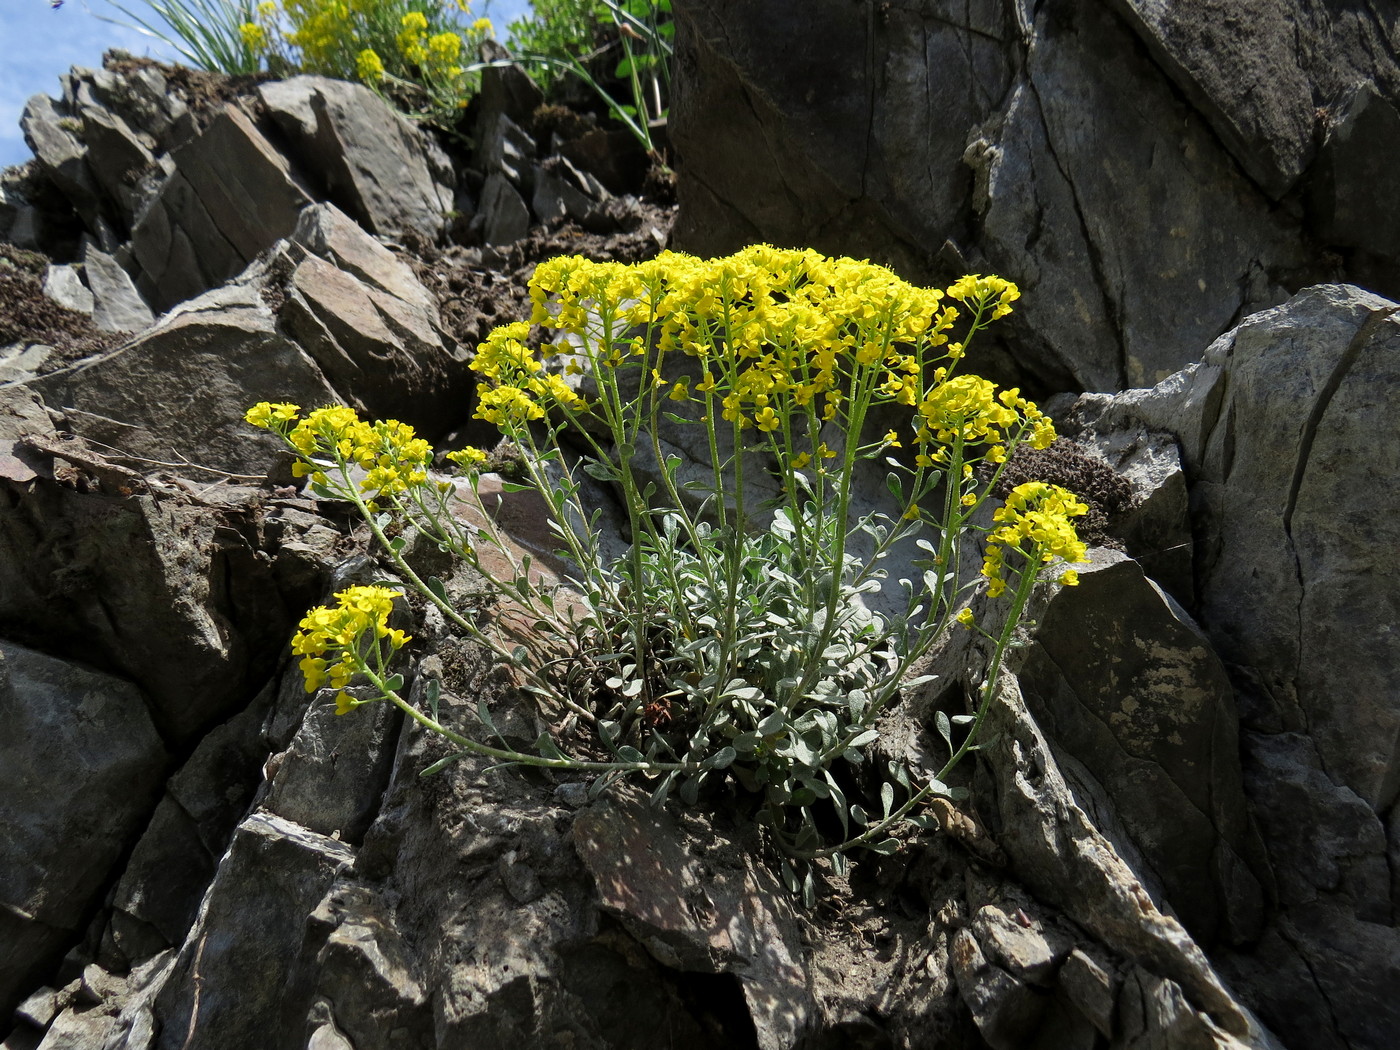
521	385
969	408
979	292
779	335
329	639
419	41
392	456
1035	521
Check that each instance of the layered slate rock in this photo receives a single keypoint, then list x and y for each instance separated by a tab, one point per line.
362	155
230	197
82	762
947	139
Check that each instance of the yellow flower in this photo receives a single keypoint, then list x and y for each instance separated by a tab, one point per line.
369	66
467	457
267	414
1070	578
414	21
483	25
966	618
254	36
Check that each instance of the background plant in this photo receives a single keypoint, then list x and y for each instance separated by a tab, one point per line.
207	34
731	643
418	51
620	49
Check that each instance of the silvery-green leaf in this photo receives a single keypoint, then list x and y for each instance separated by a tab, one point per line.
887	847
627	753
443	763
887	797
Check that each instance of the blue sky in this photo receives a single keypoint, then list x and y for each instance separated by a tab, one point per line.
37	43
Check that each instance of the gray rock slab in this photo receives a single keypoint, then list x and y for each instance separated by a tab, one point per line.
178	392
82	762
272	878
63	285
1121	679
364	157
117	305
503	212
1296	583
232	196
1123	163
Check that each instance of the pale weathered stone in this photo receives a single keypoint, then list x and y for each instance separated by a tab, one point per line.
117	305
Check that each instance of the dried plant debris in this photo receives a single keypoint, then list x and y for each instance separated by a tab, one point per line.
478	289
29	316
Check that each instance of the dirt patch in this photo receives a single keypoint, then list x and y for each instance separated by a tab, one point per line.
480	288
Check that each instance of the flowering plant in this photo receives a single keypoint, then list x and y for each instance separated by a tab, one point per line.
735	639
419	51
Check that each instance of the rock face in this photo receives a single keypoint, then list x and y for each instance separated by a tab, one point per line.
1182	831
1025	139
1283	431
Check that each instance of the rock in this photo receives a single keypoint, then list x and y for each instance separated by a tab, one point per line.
117	159
508	150
20	362
1006	1010
117	306
356	976
1213	51
1067	862
1023	142
83	762
51	133
1362	142
273	876
730	920
1126	684
230	197
1303	399
1091	989
167	590
178	391
1156	528
503	215
332	776
362	155
561	191
155	902
506	89
63	285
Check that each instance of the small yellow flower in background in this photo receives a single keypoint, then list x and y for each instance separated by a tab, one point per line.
267	9
254	36
482	25
444	47
892	440
369	65
966	618
467	457
801	460
970	499
1070	578
414	20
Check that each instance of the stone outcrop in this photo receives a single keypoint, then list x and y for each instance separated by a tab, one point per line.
1182	828
1152	172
